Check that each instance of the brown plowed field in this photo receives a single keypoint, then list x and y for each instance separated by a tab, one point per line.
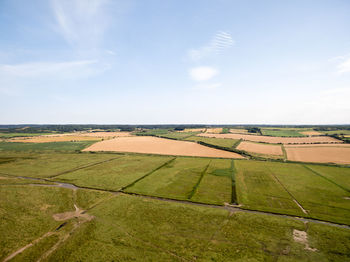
162	146
264	149
276	140
321	154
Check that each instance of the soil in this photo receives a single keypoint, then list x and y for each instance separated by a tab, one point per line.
301	237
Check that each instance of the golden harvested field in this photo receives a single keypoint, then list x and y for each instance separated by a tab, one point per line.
214	130
311	133
277	140
321	154
106	134
320	145
193	130
162	146
264	149
46	139
78	136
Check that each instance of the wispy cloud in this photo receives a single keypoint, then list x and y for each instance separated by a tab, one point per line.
344	66
81	22
202	73
220	41
71	69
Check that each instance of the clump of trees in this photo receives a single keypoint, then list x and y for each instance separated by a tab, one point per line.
255	130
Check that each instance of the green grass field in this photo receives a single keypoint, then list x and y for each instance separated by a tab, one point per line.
49	164
257	189
216	184
175	180
51	146
115	174
10	135
280	132
273	186
132	228
222	142
122	227
333	132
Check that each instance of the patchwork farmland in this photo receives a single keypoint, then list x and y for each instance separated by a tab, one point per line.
179	196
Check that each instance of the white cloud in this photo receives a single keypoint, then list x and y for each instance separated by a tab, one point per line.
220	42
344	67
81	22
202	73
71	69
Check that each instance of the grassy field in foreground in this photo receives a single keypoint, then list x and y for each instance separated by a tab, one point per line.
216	184
130	228
273	186
280	132
175	180
48	164
26	215
222	142
115	174
51	146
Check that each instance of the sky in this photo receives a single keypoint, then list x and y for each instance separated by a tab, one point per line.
174	62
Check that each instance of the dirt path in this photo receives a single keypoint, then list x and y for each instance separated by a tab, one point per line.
27	246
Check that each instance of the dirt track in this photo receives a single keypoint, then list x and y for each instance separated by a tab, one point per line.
276	140
155	145
264	149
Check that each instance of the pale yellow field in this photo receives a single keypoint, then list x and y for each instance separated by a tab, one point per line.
277	140
155	145
46	139
193	130
214	130
320	154
106	134
264	149
311	133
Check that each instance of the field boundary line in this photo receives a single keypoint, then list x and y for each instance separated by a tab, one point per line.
233	182
285	188
284	152
85	166
194	189
235	145
147	174
326	178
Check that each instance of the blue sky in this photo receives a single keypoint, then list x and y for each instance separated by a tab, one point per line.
175	61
